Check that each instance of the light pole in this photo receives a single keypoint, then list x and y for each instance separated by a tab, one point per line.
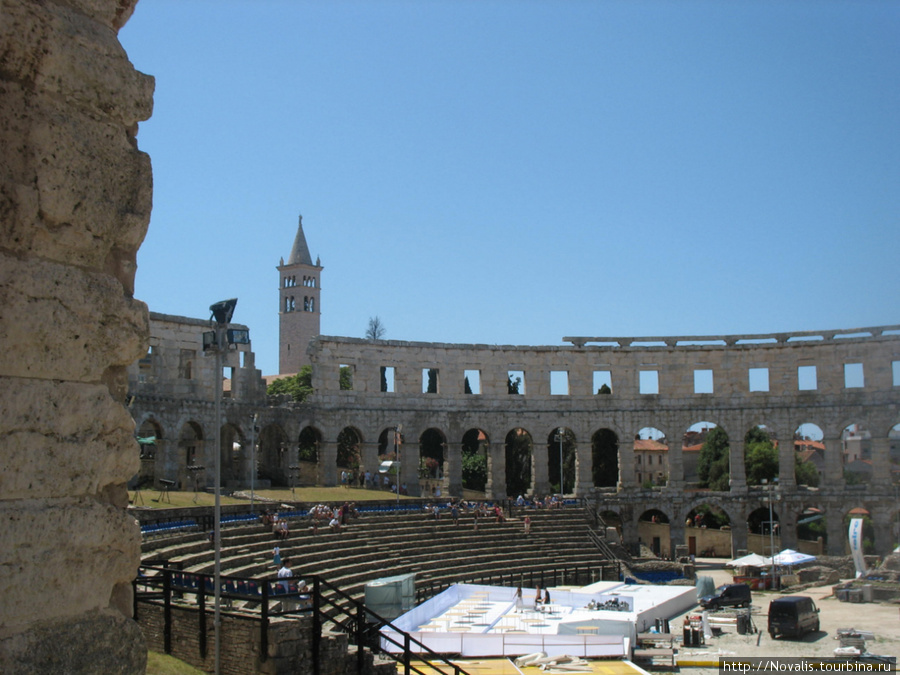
769	498
560	435
217	342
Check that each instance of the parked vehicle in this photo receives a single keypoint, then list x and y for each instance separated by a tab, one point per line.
728	595
793	615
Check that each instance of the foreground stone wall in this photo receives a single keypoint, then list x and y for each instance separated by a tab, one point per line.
75	197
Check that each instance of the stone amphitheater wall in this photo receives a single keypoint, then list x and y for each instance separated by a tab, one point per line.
75	196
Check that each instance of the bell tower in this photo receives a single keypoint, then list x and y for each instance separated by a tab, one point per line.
299	310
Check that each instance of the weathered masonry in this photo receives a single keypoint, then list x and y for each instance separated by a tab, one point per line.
605	391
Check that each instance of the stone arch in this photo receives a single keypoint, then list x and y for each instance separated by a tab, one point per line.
476	454
349	449
711	529
764	528
760	455
232	455
856	452
651	457
151	444
605	458
706	452
812	529
273	442
310	457
654	531
432	457
191	451
518	464
562	440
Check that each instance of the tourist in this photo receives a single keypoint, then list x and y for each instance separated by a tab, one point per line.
546	597
537	598
454	513
335	525
368	477
519	602
527	525
283	529
277	556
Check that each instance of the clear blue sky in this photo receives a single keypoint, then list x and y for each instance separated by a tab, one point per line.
515	172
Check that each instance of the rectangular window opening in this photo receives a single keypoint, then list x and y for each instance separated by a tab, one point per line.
806	378
346	377
429	380
602	382
387	379
472	381
649	381
559	383
759	379
853	376
703	381
515	382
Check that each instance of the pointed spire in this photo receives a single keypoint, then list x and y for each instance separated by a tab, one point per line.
300	251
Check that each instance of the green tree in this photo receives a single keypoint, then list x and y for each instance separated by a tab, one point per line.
512	384
298	386
760	457
805	473
474	470
346	378
604	389
518	462
713	464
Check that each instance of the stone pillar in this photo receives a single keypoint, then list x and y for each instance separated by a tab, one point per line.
786	460
834	464
453	469
881	462
787	527
540	480
626	464
584	479
881	524
837	534
676	535
496	482
738	537
676	465
75	196
369	458
738	479
327	465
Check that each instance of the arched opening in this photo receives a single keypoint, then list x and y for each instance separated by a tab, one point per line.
705	453
272	442
561	458
149	438
431	462
809	455
760	456
605	458
651	458
475	453
812	531
518	462
707	531
856	445
349	443
190	453
232	454
390	449
868	530
307	471
653	532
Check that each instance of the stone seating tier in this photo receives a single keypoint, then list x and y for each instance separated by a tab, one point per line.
386	544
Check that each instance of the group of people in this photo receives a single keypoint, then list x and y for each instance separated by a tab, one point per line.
335	519
280	528
547	502
370	481
540	601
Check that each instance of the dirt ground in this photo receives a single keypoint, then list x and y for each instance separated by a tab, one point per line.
881	619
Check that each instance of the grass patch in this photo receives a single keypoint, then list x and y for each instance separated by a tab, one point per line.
286	495
162	664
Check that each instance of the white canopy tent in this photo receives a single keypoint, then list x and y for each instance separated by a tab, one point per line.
751	560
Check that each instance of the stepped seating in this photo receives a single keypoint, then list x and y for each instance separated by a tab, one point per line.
387	543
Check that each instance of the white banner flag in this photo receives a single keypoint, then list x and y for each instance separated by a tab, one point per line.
856	545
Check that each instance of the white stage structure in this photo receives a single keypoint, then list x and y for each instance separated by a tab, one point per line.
597	621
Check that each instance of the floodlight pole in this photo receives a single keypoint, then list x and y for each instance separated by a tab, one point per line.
397	459
769	498
217	509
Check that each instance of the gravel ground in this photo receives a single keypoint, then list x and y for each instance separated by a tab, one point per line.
881	619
